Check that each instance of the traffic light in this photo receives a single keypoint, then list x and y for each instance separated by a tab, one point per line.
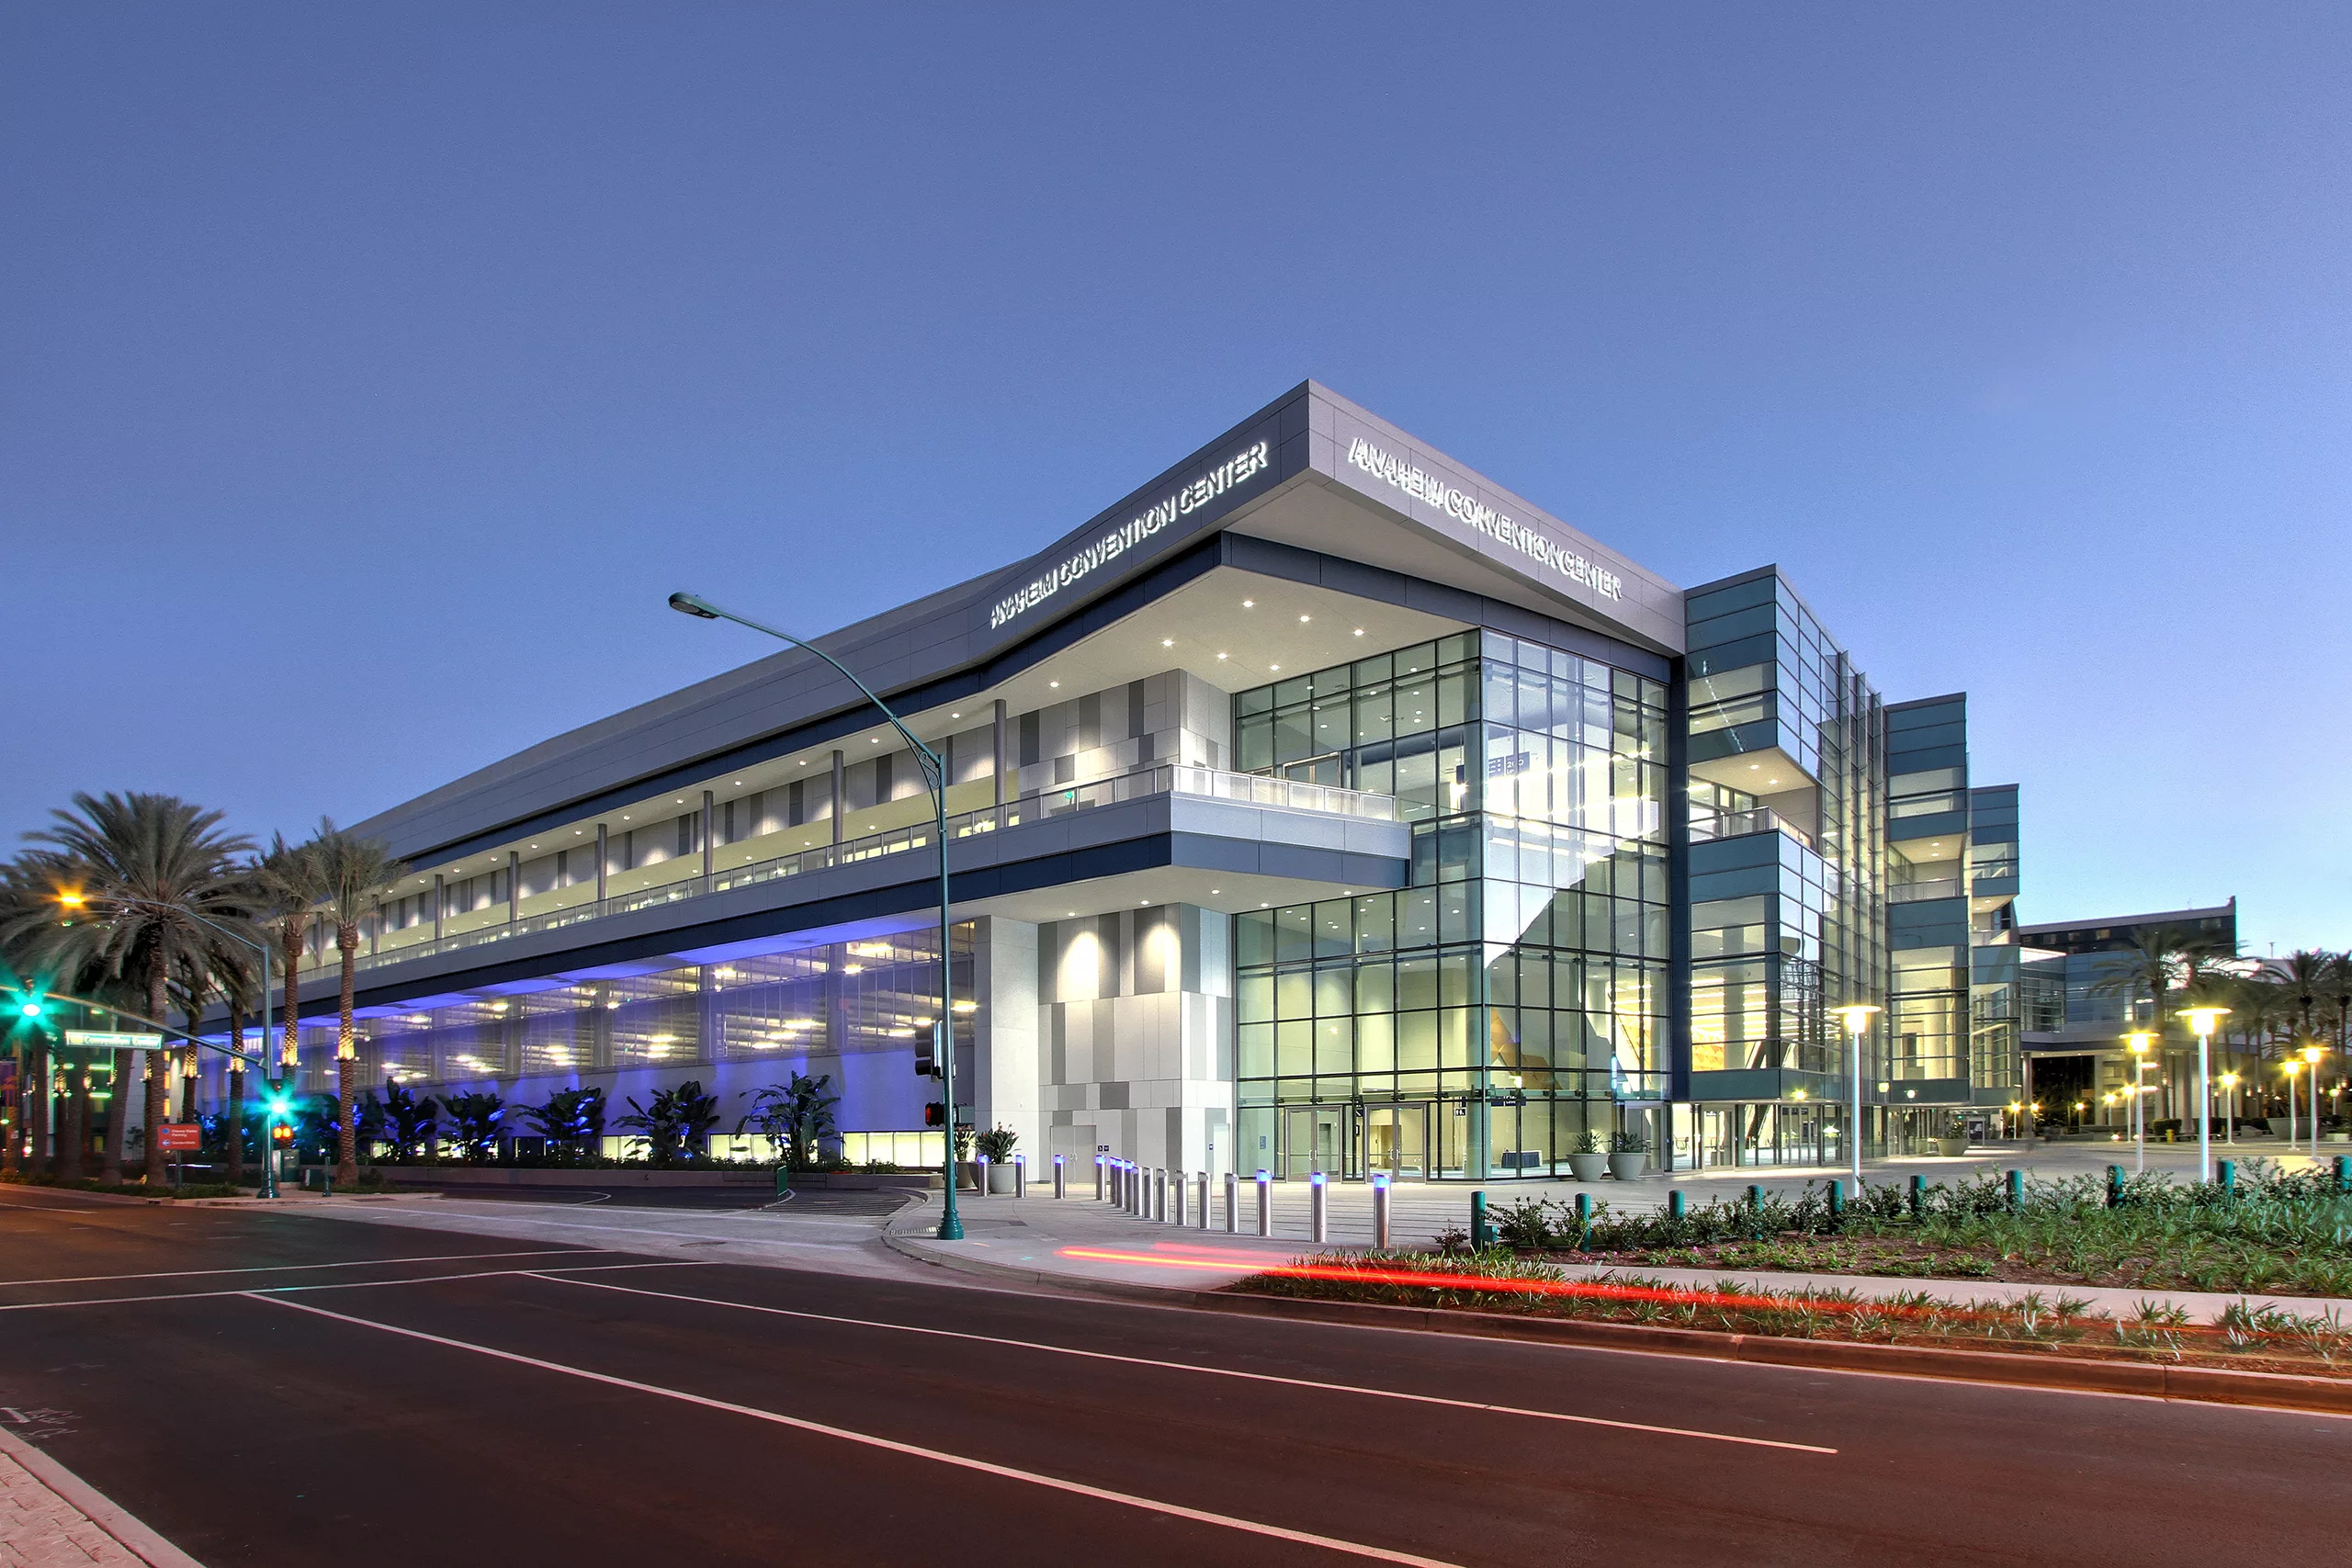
281	1134
935	1115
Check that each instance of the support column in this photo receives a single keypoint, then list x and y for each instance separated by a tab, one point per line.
708	823
1005	1089
513	885
840	806
600	863
999	742
439	900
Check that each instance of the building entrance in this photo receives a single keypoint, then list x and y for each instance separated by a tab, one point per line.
1395	1142
1311	1141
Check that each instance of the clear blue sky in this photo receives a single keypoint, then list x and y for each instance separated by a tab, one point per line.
370	373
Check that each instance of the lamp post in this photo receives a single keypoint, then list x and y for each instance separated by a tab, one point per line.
935	766
1855	1016
2139	1040
2291	1067
2202	1020
2312	1054
236	1047
2230	1124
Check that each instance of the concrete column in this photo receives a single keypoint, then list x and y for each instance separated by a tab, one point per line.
600	863
513	885
840	805
710	832
1006	1075
999	751
439	901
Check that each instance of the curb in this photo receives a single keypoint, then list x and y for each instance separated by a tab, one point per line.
96	1507
2146	1380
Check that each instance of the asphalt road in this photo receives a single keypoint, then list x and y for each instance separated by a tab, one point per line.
269	1388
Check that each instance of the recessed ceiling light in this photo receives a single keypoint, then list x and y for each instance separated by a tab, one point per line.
1273	666
624	816
1248	604
954	716
1057	685
1220	655
1168	642
1304	619
1213	890
1359	631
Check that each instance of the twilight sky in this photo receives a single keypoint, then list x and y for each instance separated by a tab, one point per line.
368	374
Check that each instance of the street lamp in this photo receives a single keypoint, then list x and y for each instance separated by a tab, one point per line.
2229	1127
2291	1067
1855	1016
2139	1040
236	1048
935	766
2312	1054
2202	1020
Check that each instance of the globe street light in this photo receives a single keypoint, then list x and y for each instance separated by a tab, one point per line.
2229	1127
2291	1067
2202	1020
934	767
1855	1016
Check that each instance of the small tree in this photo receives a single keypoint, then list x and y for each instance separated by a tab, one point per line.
410	1123
475	1121
572	1120
677	1118
797	1116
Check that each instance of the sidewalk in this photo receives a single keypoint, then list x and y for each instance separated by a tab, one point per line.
49	1518
1079	1244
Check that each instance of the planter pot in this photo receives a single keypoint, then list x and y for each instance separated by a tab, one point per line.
1951	1147
1587	1167
1000	1178
1626	1166
967	1175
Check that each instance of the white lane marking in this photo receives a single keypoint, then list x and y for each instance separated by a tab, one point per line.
289	1268
1034	1477
342	1285
1210	1372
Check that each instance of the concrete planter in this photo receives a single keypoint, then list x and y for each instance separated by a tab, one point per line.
1587	1167
1627	1167
999	1179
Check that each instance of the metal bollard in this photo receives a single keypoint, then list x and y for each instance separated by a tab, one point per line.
2342	1174
1918	1195
1061	1178
1176	1182
1319	1207
1135	1187
2114	1186
1265	1204
1021	1176
1159	1194
1098	1178
980	1174
1232	1204
1584	1220
1675	1206
1380	1211
2229	1181
1481	1237
2016	1198
1203	1221
1836	1205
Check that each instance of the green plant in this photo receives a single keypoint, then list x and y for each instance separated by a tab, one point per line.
995	1145
572	1120
410	1124
1589	1141
1631	1141
797	1116
475	1124
676	1120
352	874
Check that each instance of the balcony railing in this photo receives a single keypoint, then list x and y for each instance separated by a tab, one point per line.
1168	778
1913	892
1739	824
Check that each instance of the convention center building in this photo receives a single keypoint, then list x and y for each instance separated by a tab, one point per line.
1319	806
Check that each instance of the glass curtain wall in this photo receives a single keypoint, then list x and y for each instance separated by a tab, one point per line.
1514	995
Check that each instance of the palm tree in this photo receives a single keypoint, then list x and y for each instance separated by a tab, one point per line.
153	870
2160	961
353	873
280	886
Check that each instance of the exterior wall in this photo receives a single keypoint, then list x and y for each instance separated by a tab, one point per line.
1134	1037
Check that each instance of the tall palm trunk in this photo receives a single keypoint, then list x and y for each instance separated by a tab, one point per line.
158	1079
235	1117
347	1057
42	1118
289	941
73	1121
126	1068
12	1114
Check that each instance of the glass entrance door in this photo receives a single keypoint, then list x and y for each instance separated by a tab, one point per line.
1396	1142
1311	1140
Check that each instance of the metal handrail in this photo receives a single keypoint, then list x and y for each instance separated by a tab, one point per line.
1215	783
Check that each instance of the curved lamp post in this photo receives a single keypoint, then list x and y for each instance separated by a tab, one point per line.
935	766
1856	1017
237	1057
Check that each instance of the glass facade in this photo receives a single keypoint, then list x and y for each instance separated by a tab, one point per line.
1515	993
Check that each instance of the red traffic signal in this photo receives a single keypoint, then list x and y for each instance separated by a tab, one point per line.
281	1135
935	1115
